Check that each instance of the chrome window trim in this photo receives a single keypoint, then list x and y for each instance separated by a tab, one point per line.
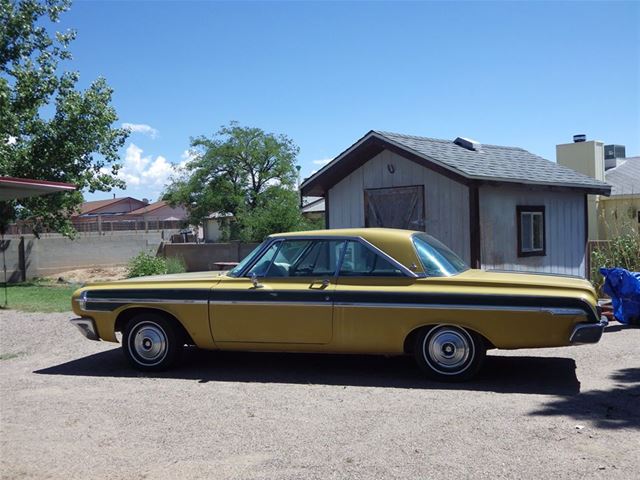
267	245
389	258
258	254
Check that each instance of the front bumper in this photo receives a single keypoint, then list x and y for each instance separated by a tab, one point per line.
87	327
588	332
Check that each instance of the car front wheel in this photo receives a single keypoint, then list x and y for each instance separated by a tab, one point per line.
150	342
448	353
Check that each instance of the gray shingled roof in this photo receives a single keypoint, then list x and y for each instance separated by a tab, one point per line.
511	164
625	178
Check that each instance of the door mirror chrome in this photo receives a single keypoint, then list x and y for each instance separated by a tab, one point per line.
254	281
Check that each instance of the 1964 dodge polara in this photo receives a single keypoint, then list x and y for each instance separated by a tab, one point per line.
375	291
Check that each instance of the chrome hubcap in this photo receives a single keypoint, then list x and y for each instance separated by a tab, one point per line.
150	342
448	351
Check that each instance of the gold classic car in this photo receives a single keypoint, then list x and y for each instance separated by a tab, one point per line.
366	290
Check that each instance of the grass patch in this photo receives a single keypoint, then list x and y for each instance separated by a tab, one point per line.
38	297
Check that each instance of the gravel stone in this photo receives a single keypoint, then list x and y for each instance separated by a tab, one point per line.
71	408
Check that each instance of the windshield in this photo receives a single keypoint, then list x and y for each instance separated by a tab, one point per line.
437	260
238	268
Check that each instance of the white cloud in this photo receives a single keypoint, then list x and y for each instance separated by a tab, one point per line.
322	161
138	170
141	128
185	158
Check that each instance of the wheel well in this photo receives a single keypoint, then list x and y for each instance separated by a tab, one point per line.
127	315
410	339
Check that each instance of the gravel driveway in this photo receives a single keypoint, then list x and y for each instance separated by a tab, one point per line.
71	408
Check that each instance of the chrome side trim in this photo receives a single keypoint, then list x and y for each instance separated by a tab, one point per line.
440	306
146	300
272	304
87	327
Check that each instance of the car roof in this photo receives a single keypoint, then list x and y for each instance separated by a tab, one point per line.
394	242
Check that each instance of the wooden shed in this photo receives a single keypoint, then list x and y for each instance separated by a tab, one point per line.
500	208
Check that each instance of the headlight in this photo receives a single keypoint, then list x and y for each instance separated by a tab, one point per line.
82	300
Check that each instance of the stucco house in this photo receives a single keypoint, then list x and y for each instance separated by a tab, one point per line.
497	207
619	212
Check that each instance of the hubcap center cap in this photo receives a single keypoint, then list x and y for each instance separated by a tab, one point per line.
448	349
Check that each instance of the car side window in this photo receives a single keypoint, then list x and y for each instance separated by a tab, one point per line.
302	258
361	261
319	260
288	255
263	263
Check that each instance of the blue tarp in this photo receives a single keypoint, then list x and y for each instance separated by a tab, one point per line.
623	287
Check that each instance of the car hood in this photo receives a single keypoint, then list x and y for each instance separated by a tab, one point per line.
169	278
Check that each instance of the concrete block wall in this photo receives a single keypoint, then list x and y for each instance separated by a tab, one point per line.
29	257
203	256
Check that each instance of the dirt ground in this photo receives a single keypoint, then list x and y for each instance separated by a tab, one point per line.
90	275
72	409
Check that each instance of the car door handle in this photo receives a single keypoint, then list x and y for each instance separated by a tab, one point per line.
320	284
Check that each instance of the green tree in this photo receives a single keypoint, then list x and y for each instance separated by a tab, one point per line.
50	130
244	172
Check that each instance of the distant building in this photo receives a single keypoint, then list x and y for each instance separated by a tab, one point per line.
619	212
313	208
158	211
107	209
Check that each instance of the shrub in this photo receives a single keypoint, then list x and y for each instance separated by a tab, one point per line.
623	251
175	265
145	263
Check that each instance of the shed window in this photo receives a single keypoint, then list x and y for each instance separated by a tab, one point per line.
531	231
397	207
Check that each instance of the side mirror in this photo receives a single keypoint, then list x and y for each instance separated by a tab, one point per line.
254	281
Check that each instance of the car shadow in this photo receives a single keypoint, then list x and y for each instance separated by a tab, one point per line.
529	375
617	327
614	408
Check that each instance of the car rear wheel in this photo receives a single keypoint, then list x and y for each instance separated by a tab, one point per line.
450	354
151	343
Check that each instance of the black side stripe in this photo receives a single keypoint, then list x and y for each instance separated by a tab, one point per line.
339	297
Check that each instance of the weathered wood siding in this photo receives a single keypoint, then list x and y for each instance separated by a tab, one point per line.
564	230
446	201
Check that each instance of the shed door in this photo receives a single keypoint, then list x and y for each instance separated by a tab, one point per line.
396	207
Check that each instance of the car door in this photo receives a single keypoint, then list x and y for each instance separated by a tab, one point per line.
285	297
369	296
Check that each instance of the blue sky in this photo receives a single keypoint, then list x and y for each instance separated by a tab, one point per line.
527	74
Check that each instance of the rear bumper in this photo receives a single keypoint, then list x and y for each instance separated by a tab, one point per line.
87	327
588	332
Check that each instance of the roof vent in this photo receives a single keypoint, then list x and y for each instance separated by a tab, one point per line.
580	137
467	143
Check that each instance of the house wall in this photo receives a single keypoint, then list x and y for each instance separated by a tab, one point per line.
618	215
564	230
446	201
587	158
212	230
